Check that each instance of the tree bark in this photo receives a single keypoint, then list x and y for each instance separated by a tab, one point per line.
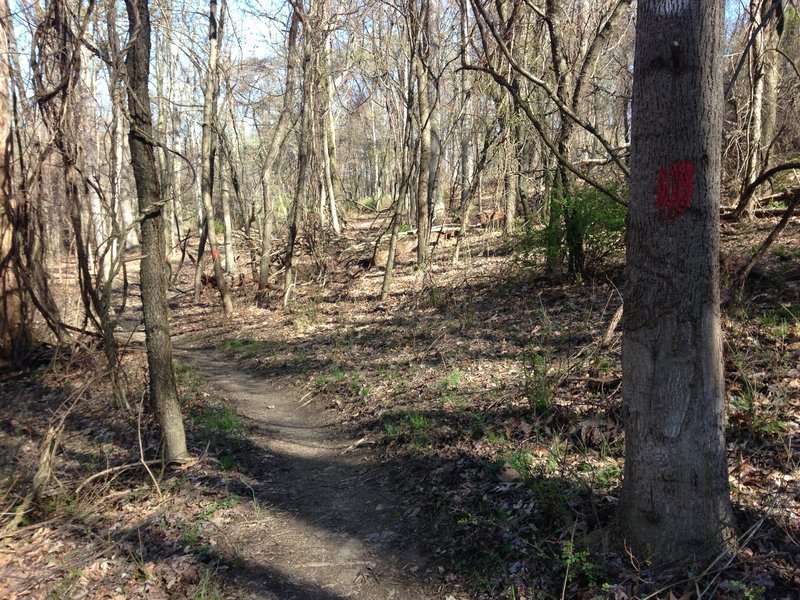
163	390
675	500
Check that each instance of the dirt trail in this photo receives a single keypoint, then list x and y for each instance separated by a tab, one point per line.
326	522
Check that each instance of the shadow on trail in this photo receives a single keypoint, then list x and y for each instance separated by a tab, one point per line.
258	580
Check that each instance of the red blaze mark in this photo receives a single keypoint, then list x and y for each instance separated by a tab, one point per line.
674	189
215	254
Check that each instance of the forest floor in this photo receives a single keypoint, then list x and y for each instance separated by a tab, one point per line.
461	439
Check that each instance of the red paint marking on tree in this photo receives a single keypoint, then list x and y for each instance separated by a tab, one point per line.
215	254
674	189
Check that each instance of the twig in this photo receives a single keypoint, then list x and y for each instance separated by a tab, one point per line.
566	574
744	539
354	445
612	327
748	535
110	470
310	400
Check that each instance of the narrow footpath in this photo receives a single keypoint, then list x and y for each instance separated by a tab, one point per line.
326	521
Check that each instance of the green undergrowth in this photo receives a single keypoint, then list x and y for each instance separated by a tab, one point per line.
221	428
243	348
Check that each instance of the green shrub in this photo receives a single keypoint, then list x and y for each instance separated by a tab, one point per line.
586	226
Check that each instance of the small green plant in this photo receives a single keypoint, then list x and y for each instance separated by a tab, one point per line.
227	462
456	401
259	510
64	588
603	365
224	504
190	535
307	314
609	476
243	347
418	422
748	592
467	520
392	430
207	588
333	377
216	421
538	383
452	380
523	463
376	202
437	297
411	423
387	372
556	454
190	378
552	497
495	437
578	563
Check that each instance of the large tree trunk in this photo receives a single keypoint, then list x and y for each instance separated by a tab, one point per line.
675	499
163	390
12	323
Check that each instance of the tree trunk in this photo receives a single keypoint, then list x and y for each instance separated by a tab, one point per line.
227	221
465	135
511	177
207	152
675	500
275	145
401	183
328	174
755	128
423	180
762	106
14	333
327	126
306	114
163	390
